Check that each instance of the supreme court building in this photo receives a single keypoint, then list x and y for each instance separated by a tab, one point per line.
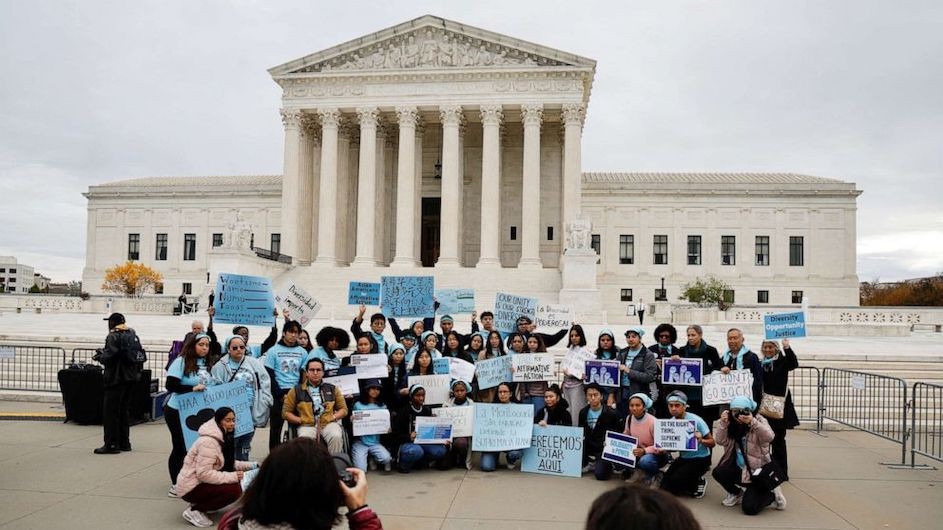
432	147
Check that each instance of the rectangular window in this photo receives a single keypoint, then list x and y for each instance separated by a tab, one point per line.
13	279
134	247
762	297
728	296
549	233
513	233
796	251
660	250
728	250
276	241
797	297
12	271
625	295
187	288
661	295
694	250
595	242
161	252
626	249
3	270
217	240
762	251
189	247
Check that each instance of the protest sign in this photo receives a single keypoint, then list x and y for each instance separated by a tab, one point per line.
247	478
720	388
532	367
437	387
683	372
462	418
784	325
363	293
7	352
493	372
554	316
433	430
676	435
407	296
300	305
344	378
440	366
500	427
196	408
370	365
453	301
554	450
370	421
509	307
574	362
461	369
603	373
245	300
618	448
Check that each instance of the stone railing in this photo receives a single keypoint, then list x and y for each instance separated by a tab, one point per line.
155	304
913	317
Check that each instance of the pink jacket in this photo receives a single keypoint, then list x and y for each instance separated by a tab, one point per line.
205	460
758	439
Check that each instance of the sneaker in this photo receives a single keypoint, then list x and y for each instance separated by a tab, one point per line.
655	482
588	468
371	465
732	499
512	465
197	518
780	503
106	450
701	488
172	492
388	466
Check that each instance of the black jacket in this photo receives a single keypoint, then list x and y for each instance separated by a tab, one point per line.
710	362
559	415
405	424
751	362
776	382
121	347
595	438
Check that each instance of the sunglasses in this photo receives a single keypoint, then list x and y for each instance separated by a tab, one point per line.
234	347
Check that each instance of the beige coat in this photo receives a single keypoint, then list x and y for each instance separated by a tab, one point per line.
757	449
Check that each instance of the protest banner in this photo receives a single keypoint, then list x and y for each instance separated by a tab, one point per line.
500	427
676	435
720	388
370	365
441	366
437	387
461	369
554	316
574	362
493	372
196	408
7	352
370	421
433	430
344	378
683	372
300	305
245	300
509	307
603	373
784	325
363	293
455	301
554	450
532	367
618	448
407	296
462	418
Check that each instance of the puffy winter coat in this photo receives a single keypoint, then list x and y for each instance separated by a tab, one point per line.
204	461
757	450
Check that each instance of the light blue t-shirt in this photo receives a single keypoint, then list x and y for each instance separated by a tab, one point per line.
368	439
286	362
201	377
321	353
255	350
244	374
629	357
592	416
702	428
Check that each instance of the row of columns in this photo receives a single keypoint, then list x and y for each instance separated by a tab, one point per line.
302	138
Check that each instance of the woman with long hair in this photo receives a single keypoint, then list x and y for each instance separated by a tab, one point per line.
573	390
494	347
238	365
489	460
555	410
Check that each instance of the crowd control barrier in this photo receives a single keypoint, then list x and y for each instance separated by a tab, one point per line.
30	367
926	422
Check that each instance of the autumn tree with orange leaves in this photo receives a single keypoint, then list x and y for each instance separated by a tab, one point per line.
131	279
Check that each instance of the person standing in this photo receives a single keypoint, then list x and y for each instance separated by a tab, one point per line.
238	365
640	311
739	357
122	357
776	365
284	362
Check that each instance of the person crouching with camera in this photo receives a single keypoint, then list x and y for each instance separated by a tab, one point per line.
746	470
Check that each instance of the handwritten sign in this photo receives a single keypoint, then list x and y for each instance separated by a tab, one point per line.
344	378
683	372
437	387
784	325
532	367
461	369
245	300
462	418
196	408
554	316
509	307
603	373
454	301
500	427
720	388
370	421
493	372
407	296
574	362
363	293
554	450
618	448
433	430
676	435
370	365
300	305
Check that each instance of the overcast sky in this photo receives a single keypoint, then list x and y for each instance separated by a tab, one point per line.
97	91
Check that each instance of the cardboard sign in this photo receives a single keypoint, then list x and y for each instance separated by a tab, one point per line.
300	305
245	300
554	316
433	430
508	308
784	325
370	421
603	373
462	418
676	435
461	369
455	301
720	388
500	427
196	408
344	378
363	293
407	296
437	387
493	372
574	362
554	450
683	372
532	367
618	448
370	365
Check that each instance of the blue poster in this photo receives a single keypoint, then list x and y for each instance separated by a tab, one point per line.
196	408
441	366
554	450
363	293
407	296
509	307
500	427
784	325
681	372
493	372
603	373
454	301
246	300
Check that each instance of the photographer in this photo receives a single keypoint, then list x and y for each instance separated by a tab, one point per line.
122	357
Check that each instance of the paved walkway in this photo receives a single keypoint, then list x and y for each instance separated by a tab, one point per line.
49	478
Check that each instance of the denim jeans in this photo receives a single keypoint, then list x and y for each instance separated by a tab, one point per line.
489	461
360	451
411	454
243	445
651	464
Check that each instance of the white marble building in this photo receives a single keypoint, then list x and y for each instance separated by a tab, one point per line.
14	276
436	148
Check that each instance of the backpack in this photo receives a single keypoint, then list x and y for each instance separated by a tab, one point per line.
133	349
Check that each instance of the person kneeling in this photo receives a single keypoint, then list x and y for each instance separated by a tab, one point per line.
369	444
685	474
596	419
316	407
410	453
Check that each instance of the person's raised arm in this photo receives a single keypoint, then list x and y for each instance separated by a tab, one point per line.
791	361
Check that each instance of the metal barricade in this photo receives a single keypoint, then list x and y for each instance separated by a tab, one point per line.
30	367
926	427
805	387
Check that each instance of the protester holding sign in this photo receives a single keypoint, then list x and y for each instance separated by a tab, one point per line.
422	364
555	410
494	348
284	363
453	347
237	365
739	357
526	327
369	445
666	336
532	392
697	348
459	452
685	475
394	389
641	426
596	419
377	326
489	459
638	368
573	382
411	454
316	407
777	406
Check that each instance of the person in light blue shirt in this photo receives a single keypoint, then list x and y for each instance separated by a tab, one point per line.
283	361
329	340
369	445
238	365
685	475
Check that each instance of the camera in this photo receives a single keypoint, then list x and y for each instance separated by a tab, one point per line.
736	413
341	463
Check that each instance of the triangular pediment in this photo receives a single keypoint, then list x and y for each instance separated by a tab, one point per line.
430	43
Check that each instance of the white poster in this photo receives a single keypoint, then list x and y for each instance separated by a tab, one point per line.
574	363
554	316
532	367
370	365
301	306
462	418
437	387
721	388
461	369
372	421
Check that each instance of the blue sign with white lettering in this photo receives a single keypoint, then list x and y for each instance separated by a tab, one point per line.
784	325
246	300
363	293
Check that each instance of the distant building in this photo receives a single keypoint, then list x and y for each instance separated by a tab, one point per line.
15	277
41	282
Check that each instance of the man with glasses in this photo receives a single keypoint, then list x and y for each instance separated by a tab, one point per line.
317	407
283	362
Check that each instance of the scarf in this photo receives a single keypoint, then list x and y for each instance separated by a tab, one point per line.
767	362
740	354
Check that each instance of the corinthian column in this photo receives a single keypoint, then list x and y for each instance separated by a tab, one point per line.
406	188
327	203
491	116
367	186
310	137
291	119
530	205
573	115
451	118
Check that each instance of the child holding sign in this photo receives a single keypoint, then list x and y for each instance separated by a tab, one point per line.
641	426
369	445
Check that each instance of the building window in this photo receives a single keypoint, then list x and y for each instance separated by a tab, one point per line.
252	241
276	241
3	270
762	251
217	240
189	247
549	233
660	250
161	252
728	250
13	279
797	297
694	250
796	251
661	295
134	247
626	249
12	271
595	242
513	233
187	288
728	296
625	295
762	297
